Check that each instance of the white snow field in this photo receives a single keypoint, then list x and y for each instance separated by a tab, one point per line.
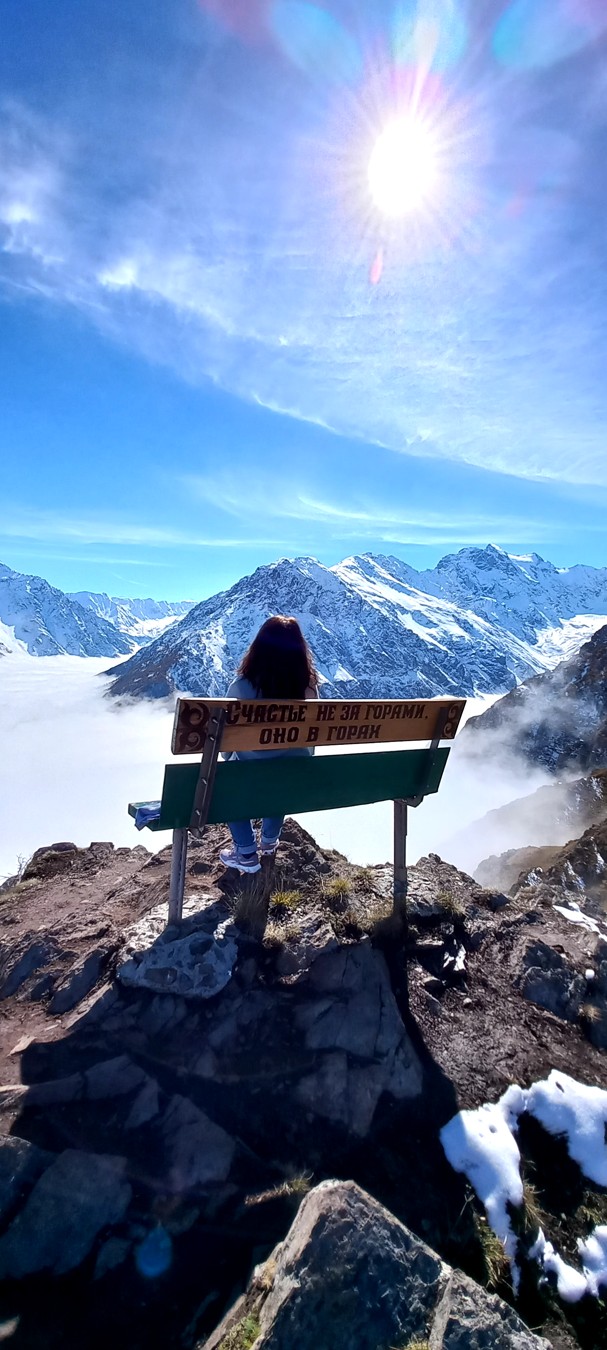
481	1144
72	760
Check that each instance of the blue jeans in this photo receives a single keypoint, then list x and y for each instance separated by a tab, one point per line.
242	832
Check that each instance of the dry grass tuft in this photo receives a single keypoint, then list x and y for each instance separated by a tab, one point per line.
285	900
243	1335
364	879
497	1266
451	905
534	1214
337	888
297	1185
251	907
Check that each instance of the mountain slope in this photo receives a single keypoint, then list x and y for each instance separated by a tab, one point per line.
38	618
523	594
378	629
141	619
557	720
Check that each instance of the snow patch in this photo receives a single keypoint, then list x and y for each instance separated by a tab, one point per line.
574	914
481	1144
567	1108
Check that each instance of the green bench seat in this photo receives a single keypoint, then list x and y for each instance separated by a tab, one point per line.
291	785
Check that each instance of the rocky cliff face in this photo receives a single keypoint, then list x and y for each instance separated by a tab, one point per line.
477	623
557	720
170	1096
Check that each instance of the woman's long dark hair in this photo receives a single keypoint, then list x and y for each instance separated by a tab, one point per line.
279	662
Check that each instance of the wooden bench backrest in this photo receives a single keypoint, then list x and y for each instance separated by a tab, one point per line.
266	724
292	785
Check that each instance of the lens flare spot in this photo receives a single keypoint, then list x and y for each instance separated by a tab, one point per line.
314	41
433	33
403	167
154	1255
245	18
376	268
532	34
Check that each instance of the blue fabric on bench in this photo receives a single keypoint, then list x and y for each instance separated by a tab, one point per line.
146	812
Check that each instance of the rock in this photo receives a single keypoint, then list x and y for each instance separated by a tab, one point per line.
21	1163
431	955
197	1151
17	962
80	980
112	1254
193	961
434	987
77	1196
206	1064
467	1316
436	886
49	860
355	1020
315	937
349	1274
162	1014
145	1106
113	1078
96	1007
56	1091
551	983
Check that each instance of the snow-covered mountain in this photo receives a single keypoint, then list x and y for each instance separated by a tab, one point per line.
38	618
479	622
141	619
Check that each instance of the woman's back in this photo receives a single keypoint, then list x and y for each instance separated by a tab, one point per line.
242	689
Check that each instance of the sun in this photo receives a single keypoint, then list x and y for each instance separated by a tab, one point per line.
403	168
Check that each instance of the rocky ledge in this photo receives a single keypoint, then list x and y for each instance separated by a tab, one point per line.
171	1095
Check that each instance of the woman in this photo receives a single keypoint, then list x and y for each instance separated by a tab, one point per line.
278	664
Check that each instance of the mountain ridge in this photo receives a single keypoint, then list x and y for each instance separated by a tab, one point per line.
479	622
142	619
42	620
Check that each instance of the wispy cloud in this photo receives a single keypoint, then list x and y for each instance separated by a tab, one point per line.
232	239
51	526
350	518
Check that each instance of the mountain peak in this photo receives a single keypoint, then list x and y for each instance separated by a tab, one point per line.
478	622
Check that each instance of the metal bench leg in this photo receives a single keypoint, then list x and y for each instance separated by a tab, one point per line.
178	862
400	859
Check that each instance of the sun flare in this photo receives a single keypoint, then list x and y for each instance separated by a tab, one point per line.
403	167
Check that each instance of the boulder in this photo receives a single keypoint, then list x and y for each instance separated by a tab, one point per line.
349	1274
79	981
194	960
74	1199
550	982
21	1163
198	1152
351	1014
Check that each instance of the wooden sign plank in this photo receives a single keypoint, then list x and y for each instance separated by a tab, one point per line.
266	724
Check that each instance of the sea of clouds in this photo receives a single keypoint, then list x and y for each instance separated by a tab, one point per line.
73	758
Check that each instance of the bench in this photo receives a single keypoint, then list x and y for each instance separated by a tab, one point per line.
213	792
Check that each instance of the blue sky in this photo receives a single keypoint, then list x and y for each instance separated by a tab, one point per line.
215	349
